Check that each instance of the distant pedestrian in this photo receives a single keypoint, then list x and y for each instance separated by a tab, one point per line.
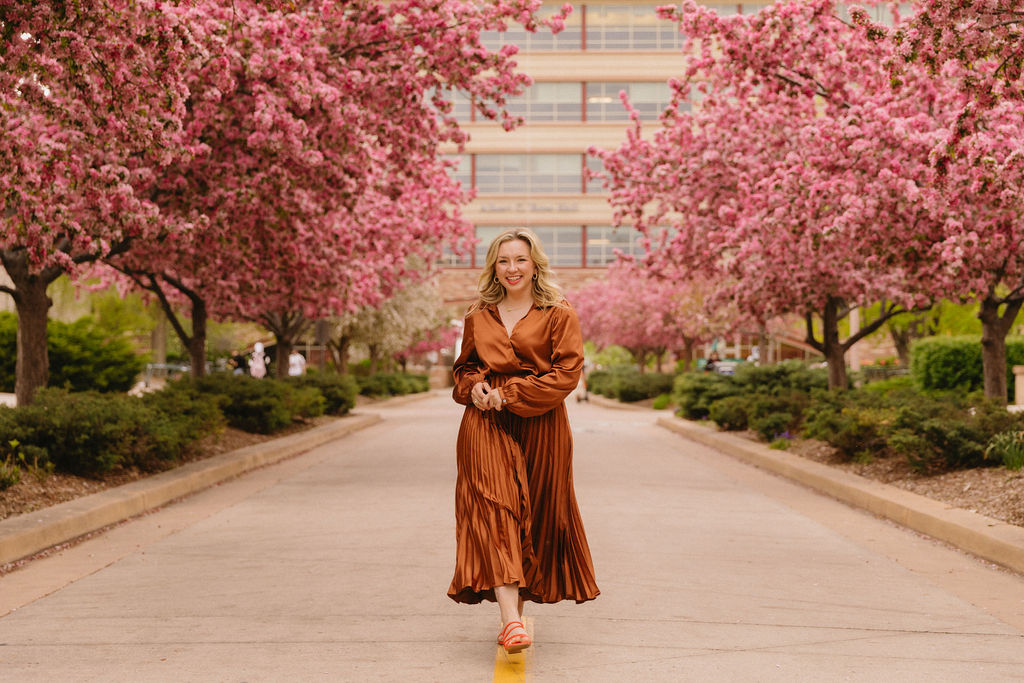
711	364
238	363
258	361
296	364
519	535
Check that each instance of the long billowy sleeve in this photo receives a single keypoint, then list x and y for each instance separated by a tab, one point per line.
468	369
537	394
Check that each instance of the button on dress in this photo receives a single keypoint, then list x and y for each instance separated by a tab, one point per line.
516	516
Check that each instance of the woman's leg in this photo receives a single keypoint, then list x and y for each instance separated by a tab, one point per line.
508	602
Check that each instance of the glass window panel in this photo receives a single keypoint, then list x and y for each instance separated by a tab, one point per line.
450	259
484	236
463	172
595	185
569	38
603	103
549	102
528	173
604	240
724	9
637	27
562	244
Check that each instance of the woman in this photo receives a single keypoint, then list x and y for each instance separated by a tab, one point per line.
519	535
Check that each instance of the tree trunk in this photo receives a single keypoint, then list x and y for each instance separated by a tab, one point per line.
32	365
374	350
159	338
835	353
287	328
339	350
762	347
281	354
640	356
687	354
994	328
196	344
33	358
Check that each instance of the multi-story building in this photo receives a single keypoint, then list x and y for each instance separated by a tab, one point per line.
535	176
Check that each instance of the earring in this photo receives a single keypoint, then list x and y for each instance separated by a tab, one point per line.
496	278
535	276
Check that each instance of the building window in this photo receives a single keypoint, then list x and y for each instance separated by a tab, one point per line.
603	103
630	27
604	240
562	243
461	169
462	104
528	173
449	259
571	38
880	14
548	102
724	9
594	185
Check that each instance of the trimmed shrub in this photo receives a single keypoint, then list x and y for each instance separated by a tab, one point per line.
661	401
392	384
934	431
730	413
694	392
82	358
627	384
780	378
948	363
252	405
89	433
339	391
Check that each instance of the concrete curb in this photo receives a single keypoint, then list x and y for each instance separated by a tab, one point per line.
25	535
983	536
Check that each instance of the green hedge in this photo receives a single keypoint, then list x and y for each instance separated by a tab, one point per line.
89	433
82	358
392	384
339	391
785	383
626	383
944	363
933	430
264	405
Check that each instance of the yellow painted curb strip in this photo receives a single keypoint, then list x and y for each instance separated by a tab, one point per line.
27	534
987	538
509	668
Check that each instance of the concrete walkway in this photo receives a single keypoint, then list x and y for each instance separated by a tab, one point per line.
332	566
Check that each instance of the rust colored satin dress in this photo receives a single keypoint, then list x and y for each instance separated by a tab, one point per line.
516	518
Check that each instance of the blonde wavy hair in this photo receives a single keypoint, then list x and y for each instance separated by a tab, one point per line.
545	290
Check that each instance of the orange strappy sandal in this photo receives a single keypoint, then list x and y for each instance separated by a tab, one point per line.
514	642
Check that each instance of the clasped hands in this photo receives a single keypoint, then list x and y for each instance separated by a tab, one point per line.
484	397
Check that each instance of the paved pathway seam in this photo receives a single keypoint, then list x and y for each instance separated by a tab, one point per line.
25	535
988	538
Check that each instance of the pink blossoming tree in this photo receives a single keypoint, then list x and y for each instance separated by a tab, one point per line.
792	187
92	100
973	51
320	182
645	314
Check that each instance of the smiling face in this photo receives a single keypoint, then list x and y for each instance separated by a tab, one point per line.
514	267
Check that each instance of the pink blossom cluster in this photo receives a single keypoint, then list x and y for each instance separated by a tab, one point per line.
250	158
645	313
809	179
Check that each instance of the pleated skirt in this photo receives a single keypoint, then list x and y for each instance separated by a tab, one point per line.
516	518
